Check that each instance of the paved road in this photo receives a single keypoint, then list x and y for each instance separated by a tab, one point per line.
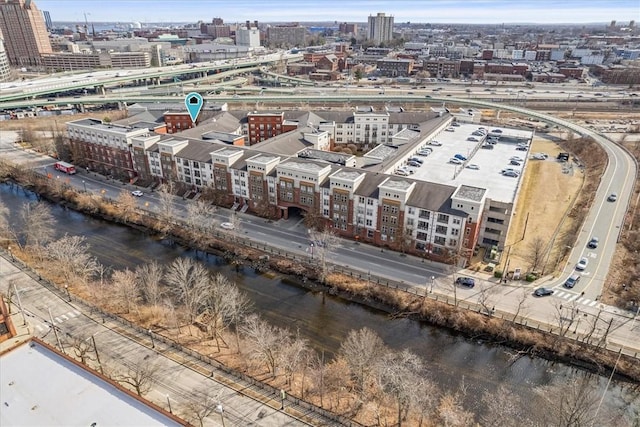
179	377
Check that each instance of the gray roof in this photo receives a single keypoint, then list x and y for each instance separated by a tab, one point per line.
369	185
286	144
222	121
433	197
199	150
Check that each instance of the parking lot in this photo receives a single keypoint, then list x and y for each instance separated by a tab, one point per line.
483	166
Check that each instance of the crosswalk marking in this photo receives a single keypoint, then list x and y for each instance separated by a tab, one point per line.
39	328
570	297
64	317
76	312
57	320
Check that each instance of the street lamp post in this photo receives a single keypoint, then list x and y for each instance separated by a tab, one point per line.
84	183
170	410
95	348
66	288
153	344
433	278
11	254
220	410
283	395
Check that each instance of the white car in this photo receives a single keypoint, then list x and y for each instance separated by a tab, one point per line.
435	143
473	166
227	226
517	159
455	161
402	172
137	193
582	264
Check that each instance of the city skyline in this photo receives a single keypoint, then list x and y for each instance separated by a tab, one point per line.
435	11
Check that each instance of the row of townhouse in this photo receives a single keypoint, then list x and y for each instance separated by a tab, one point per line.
403	214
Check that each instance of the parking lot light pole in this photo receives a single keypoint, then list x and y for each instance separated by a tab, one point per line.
66	288
433	278
85	185
153	344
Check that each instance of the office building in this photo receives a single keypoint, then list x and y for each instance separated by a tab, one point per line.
28	39
47	19
286	36
248	36
5	71
380	28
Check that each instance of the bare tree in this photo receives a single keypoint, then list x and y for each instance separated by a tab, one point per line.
400	376
126	204
324	243
217	306
294	354
5	228
73	256
82	348
565	314
362	350
140	375
200	216
167	208
522	303
188	280
572	403
265	341
451	412
536	252
37	224
502	407
485	298
203	404
149	276
125	287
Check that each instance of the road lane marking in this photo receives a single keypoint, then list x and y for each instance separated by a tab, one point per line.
64	317
592	303
57	320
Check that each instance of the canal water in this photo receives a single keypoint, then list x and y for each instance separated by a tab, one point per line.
324	320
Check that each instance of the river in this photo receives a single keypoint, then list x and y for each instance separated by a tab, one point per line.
325	321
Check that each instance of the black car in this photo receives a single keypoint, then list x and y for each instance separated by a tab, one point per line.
515	163
593	243
543	292
469	282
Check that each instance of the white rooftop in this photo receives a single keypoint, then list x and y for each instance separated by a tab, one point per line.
42	388
436	167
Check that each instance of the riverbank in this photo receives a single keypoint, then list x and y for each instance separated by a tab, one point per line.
490	328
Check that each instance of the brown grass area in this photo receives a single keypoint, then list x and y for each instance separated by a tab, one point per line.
546	195
58	122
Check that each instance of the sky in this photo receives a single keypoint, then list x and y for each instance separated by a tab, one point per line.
417	11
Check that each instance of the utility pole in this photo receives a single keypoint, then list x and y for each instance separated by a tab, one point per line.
55	332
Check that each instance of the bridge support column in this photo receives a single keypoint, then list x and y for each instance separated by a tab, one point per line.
498	115
80	107
100	90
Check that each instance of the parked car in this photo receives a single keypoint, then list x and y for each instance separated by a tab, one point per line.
473	166
460	157
487	146
612	197
137	193
543	292
435	143
582	264
416	159
414	164
469	282
423	153
510	170
227	225
455	124
593	243
450	129
572	281
522	148
472	139
515	163
402	172
510	174
455	161
517	159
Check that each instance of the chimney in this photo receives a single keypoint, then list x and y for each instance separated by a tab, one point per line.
255	23
248	25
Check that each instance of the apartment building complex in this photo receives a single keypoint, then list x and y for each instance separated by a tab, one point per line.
286	36
26	35
293	173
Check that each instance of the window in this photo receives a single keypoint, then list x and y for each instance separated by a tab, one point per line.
422	236
441	229
443	218
439	240
409	222
368	222
424	214
456	221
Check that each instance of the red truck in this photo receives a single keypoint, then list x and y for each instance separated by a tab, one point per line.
65	167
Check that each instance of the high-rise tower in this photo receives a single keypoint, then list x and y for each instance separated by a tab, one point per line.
25	32
380	28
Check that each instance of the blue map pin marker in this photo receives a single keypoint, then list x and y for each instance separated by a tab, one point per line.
194	103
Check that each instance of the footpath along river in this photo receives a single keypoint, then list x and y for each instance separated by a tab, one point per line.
326	321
